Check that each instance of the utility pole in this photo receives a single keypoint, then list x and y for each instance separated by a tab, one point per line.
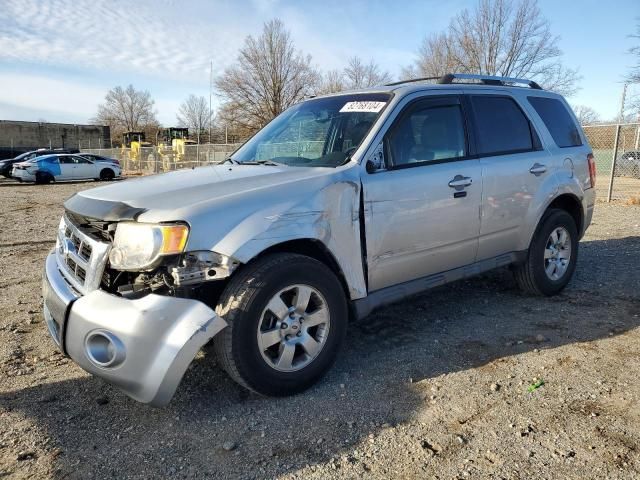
210	94
622	102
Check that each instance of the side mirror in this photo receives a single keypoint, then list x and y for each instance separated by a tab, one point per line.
375	161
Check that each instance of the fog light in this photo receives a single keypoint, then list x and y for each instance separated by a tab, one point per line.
104	349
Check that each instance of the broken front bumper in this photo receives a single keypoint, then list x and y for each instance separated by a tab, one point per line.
141	346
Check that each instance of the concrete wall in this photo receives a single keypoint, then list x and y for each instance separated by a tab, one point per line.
23	136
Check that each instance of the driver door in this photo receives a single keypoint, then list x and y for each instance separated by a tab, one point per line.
422	211
84	168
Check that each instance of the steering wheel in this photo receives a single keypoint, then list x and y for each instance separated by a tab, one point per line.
349	151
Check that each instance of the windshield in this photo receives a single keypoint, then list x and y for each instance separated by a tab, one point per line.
323	132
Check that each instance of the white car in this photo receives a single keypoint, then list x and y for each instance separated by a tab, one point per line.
64	167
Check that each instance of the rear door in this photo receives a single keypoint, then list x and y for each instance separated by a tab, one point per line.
514	166
565	143
421	213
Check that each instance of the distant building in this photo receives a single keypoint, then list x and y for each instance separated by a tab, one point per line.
17	137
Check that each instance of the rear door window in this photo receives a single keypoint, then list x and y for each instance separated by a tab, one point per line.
556	118
501	126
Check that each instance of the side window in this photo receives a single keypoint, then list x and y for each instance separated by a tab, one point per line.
501	126
65	159
79	159
428	134
556	118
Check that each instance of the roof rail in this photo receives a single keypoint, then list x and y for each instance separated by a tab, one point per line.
484	79
411	80
487	79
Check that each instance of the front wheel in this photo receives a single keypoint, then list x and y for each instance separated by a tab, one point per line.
287	316
552	256
43	178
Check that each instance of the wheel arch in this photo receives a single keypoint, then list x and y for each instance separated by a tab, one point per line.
311	248
572	205
568	202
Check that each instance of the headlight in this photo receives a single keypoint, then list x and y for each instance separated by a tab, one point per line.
138	245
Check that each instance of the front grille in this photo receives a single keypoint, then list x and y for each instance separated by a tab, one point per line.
81	256
96	229
85	251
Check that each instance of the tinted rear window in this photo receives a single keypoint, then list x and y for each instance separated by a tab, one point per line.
501	126
557	120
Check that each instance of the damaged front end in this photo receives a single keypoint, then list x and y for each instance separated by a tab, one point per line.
137	330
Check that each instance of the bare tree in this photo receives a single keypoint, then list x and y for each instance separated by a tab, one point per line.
126	110
434	58
332	82
358	74
586	115
509	38
194	114
269	76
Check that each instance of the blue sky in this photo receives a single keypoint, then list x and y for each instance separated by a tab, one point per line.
58	58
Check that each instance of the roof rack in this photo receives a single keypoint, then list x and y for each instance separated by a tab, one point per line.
487	79
484	79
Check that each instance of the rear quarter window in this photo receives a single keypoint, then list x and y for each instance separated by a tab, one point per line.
501	126
558	121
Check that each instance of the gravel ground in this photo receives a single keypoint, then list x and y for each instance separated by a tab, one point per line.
434	387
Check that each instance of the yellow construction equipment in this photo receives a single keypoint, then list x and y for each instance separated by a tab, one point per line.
132	145
172	148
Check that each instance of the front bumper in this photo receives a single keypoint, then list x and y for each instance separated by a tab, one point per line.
142	346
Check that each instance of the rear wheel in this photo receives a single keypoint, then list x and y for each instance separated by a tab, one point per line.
552	256
287	316
106	174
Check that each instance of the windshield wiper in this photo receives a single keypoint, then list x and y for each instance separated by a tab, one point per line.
271	162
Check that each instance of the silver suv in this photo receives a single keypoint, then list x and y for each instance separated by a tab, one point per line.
341	204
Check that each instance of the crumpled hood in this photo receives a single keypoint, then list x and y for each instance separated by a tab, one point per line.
242	210
168	194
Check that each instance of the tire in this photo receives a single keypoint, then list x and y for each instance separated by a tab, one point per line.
43	178
243	304
106	175
532	276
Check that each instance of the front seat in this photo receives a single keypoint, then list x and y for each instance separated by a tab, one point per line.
440	137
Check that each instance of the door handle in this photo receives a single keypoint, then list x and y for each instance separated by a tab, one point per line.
538	169
459	182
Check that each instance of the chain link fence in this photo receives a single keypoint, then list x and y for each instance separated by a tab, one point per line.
150	160
616	149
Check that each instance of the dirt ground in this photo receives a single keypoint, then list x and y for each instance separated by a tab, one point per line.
433	387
